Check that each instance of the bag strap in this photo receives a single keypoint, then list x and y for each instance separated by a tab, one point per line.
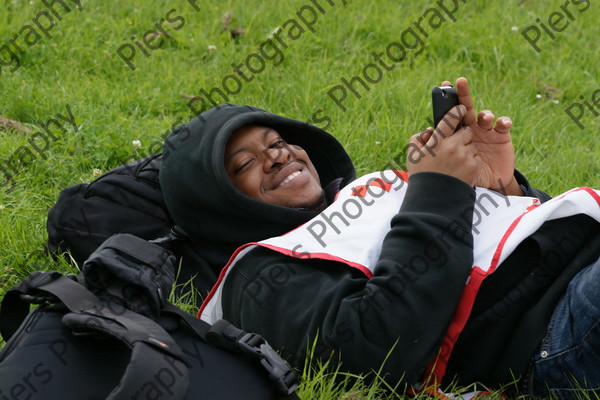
175	235
16	302
223	334
150	344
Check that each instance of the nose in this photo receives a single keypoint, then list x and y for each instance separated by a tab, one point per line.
274	157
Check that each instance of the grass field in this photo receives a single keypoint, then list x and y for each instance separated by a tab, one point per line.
126	71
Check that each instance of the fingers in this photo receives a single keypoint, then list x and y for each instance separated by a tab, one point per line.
503	125
465	98
424	140
420	139
425	135
448	153
448	124
466	115
465	136
485	119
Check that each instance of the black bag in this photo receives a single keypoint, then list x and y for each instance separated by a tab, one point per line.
127	199
110	333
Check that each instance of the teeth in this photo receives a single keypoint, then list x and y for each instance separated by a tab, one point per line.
290	177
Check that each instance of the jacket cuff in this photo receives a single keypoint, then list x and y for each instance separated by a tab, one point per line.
438	193
528	190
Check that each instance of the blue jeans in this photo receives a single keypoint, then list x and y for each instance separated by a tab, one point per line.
569	356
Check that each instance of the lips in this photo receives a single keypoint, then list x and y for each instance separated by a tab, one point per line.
290	177
287	174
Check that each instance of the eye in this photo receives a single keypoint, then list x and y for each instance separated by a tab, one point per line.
243	165
277	143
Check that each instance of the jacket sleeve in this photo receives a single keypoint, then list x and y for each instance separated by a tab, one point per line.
396	319
530	191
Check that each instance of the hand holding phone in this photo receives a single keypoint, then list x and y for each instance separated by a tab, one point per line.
443	99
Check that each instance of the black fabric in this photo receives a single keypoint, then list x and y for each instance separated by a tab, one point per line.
149	343
139	277
514	305
528	190
408	303
406	306
127	199
47	361
60	365
224	335
168	351
202	200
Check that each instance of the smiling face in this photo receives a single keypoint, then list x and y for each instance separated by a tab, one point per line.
263	166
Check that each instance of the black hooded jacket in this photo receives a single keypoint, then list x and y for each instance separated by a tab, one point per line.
395	321
208	208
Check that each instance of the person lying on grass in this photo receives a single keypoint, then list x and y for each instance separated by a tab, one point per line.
452	272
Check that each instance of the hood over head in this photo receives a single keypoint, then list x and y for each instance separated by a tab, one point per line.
202	200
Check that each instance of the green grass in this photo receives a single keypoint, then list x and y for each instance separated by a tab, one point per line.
113	105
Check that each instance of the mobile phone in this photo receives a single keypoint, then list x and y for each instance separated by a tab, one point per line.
443	99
